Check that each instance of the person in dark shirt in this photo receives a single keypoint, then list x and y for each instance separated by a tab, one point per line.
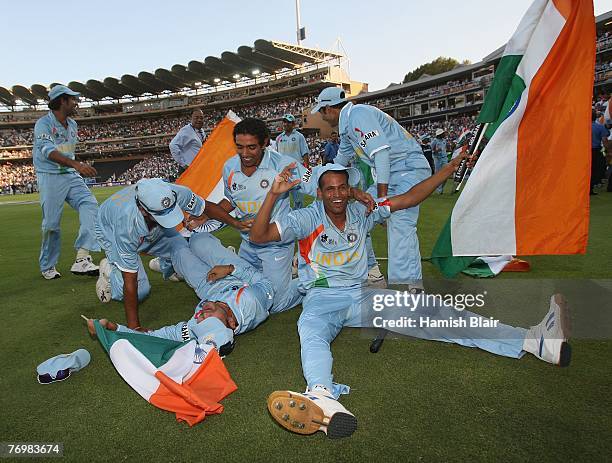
599	138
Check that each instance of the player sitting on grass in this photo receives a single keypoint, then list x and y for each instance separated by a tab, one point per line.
333	269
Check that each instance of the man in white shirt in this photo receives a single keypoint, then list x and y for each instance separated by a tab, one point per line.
187	142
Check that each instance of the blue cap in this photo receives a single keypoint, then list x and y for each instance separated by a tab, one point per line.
289	118
211	330
58	368
158	199
329	96
61	90
354	175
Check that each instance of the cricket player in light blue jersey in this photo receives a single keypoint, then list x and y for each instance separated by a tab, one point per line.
439	153
142	219
60	180
247	178
396	160
333	268
293	144
232	292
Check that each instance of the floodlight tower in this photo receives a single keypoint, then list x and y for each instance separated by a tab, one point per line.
301	31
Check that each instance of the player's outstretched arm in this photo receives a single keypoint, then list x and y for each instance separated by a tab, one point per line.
263	231
421	191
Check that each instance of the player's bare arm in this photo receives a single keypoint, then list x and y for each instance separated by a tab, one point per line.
130	299
421	191
82	168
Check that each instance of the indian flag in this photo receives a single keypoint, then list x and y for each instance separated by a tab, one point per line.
205	174
183	378
528	193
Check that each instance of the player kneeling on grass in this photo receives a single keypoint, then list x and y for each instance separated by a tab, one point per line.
142	219
333	270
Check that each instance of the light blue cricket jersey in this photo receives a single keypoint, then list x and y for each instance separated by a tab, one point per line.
293	145
250	302
438	147
329	257
121	228
379	140
50	135
247	194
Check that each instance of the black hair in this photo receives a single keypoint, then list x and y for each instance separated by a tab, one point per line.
226	349
345	172
252	126
56	102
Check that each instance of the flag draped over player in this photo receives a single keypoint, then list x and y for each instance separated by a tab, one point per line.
528	193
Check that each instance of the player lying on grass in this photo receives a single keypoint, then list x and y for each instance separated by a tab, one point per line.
142	219
231	291
333	268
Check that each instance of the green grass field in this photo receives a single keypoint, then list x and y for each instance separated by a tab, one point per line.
414	400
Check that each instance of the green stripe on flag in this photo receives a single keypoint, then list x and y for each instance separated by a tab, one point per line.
157	350
442	254
493	104
515	91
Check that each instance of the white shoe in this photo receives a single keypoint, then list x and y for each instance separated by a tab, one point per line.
310	412
548	339
85	266
232	249
375	275
103	286
155	265
51	274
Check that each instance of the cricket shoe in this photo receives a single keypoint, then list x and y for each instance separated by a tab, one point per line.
51	274
103	285
548	339
310	412
375	275
155	265
85	266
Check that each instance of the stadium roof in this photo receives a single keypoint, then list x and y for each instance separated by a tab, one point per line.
265	57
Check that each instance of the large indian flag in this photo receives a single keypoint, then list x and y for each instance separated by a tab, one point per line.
528	193
183	378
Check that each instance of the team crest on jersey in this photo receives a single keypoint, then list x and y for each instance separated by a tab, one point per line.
359	131
292	138
265	183
166	202
351	237
327	240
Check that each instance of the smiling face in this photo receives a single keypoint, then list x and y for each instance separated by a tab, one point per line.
249	149
218	310
197	119
334	191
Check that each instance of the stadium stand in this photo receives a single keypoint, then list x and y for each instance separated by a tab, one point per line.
125	125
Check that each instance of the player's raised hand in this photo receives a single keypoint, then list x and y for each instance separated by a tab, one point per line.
454	163
282	182
245	225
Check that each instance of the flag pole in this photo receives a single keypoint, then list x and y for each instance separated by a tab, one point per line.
463	170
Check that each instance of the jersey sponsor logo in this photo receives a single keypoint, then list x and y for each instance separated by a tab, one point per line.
249	206
326	239
185	332
191	203
307	175
335	259
238	187
368	136
44	136
265	183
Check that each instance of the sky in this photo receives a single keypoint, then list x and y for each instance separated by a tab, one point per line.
68	40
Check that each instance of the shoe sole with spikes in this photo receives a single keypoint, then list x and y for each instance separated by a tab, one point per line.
301	415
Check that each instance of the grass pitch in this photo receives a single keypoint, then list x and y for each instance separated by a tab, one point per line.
414	400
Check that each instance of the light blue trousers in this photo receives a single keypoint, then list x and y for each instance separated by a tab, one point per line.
274	262
55	189
327	310
168	246
440	160
402	240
